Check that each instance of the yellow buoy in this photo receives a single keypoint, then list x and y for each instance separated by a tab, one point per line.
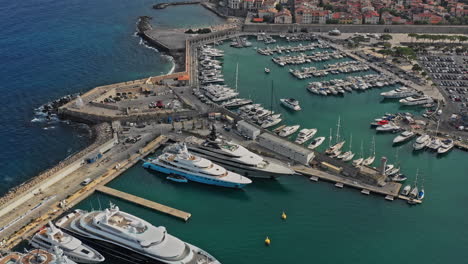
267	241
284	216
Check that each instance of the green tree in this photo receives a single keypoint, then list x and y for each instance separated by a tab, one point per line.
386	37
279	7
416	67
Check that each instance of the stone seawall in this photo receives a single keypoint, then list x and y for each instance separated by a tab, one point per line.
284	28
28	187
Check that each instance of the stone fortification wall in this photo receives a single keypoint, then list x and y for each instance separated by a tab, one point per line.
284	28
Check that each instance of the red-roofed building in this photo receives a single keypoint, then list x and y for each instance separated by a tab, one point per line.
309	16
427	18
283	17
371	17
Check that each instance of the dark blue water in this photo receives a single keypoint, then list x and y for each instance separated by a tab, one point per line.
50	48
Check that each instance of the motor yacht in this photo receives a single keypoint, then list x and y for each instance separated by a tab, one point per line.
434	144
236	157
305	134
401	92
406	190
422	142
49	237
404	136
446	146
417	100
291	103
316	142
335	147
390	127
181	162
131	238
289	130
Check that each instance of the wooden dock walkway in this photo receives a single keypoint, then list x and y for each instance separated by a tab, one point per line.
391	189
143	202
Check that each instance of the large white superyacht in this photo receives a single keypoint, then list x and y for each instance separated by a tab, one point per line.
179	161
236	157
132	238
401	92
72	247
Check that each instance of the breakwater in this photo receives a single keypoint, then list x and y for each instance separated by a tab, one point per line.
164	5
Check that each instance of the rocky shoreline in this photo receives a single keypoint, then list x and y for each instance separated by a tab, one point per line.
164	5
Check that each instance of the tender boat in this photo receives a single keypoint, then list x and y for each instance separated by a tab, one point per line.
291	103
316	142
399	178
289	130
177	178
267	70
305	134
421	142
131	238
195	168
270	121
404	136
446	146
49	237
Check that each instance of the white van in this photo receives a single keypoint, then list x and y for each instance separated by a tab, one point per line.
86	181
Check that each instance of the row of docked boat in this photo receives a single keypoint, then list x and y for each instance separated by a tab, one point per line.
258	114
409	96
307	58
302	137
414	192
267	39
240	42
350	83
343	67
425	141
268	51
209	65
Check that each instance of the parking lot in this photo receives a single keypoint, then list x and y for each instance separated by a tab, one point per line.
450	74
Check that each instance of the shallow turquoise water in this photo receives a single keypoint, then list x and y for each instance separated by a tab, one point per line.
324	224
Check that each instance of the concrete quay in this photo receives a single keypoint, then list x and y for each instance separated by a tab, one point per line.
69	192
390	190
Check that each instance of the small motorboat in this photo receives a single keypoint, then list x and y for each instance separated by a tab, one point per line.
177	178
399	178
316	142
267	70
406	190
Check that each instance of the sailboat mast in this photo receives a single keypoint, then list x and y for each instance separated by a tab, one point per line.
362	149
271	99
330	138
338	130
350	141
237	74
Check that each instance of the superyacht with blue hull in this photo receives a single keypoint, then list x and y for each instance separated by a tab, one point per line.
180	161
131	238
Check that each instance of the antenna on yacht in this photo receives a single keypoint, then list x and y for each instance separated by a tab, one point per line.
338	130
330	138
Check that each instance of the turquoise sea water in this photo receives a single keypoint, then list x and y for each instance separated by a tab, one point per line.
324	224
51	48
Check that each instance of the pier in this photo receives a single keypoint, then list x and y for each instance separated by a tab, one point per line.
145	203
390	190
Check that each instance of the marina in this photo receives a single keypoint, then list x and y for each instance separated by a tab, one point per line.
272	128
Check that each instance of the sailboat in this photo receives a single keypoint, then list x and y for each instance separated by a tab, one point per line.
395	169
421	192
236	102
348	155
339	144
271	120
370	159
414	192
359	161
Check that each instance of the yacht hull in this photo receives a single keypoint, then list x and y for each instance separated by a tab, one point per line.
192	177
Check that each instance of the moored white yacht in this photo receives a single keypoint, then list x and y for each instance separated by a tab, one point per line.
421	142
49	237
401	92
446	146
434	144
404	136
237	158
287	131
417	100
316	142
291	103
36	256
195	168
305	134
132	238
